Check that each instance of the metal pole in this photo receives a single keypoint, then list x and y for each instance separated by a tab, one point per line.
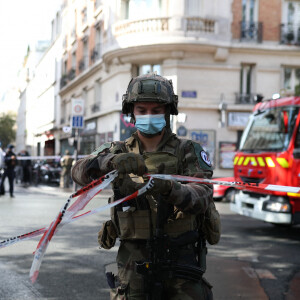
75	155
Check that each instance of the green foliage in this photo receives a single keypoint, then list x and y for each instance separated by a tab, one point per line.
7	130
297	90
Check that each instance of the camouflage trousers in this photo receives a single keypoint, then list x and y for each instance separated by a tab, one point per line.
130	285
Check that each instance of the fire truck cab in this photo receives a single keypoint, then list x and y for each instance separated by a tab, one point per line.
269	153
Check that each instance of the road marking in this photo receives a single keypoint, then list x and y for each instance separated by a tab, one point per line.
258	273
264	274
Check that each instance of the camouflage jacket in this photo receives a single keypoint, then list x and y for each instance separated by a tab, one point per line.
191	197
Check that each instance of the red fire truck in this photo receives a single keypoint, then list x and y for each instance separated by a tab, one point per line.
269	153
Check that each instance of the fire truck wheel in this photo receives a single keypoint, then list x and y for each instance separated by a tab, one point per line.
229	196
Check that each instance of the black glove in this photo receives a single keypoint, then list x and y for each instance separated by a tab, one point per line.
93	169
126	163
162	187
127	186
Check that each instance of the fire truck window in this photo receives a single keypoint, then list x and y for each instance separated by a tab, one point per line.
297	142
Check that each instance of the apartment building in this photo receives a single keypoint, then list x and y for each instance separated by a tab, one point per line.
219	55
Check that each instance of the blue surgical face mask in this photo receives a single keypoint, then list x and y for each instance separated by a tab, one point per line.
150	124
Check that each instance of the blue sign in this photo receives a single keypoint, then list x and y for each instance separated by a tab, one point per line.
181	131
77	121
189	94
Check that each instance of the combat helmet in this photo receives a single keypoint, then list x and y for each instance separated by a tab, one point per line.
150	88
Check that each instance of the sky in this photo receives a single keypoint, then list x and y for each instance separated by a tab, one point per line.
22	22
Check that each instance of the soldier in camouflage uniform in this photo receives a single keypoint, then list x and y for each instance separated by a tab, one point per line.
154	149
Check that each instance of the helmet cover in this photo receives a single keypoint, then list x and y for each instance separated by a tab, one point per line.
150	88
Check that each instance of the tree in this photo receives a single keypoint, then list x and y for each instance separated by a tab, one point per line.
7	130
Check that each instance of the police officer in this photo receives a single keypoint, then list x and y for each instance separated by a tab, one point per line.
153	148
10	161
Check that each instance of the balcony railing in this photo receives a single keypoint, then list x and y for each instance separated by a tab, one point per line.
141	26
251	31
96	53
81	65
199	24
290	34
63	80
243	98
95	107
71	74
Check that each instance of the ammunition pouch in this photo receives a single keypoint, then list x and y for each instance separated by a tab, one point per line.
212	224
107	235
139	224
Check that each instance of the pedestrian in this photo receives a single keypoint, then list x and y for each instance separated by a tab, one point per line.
2	155
26	166
163	234
10	161
66	165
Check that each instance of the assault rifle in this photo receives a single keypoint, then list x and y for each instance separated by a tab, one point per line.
163	256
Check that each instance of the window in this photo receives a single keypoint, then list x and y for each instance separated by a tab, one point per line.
249	11
146	69
131	9
291	78
246	79
97	4
84	16
192	7
297	141
97	101
85	53
98	42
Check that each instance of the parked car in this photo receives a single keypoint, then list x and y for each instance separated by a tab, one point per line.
44	172
223	192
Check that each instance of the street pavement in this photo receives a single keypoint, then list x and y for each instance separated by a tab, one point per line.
232	279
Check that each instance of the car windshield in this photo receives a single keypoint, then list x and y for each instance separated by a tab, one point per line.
269	130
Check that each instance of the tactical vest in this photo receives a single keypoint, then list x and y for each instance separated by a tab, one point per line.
140	224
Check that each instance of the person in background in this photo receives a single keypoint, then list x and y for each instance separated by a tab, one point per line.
10	161
66	165
2	154
26	168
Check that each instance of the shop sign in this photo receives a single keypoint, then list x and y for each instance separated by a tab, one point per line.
207	139
189	94
238	119
181	131
227	152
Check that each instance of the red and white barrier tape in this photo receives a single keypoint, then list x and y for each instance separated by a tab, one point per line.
259	187
86	194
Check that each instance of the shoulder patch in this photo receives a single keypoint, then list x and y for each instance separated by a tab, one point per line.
102	148
202	156
205	158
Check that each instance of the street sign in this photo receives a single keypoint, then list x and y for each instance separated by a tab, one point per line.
67	129
77	107
77	121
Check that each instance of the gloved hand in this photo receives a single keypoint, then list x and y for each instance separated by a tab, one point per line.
126	163
162	187
127	186
93	169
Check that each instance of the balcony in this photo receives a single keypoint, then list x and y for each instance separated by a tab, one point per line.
244	98
290	34
81	65
71	74
251	32
63	80
141	26
198	24
96	53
